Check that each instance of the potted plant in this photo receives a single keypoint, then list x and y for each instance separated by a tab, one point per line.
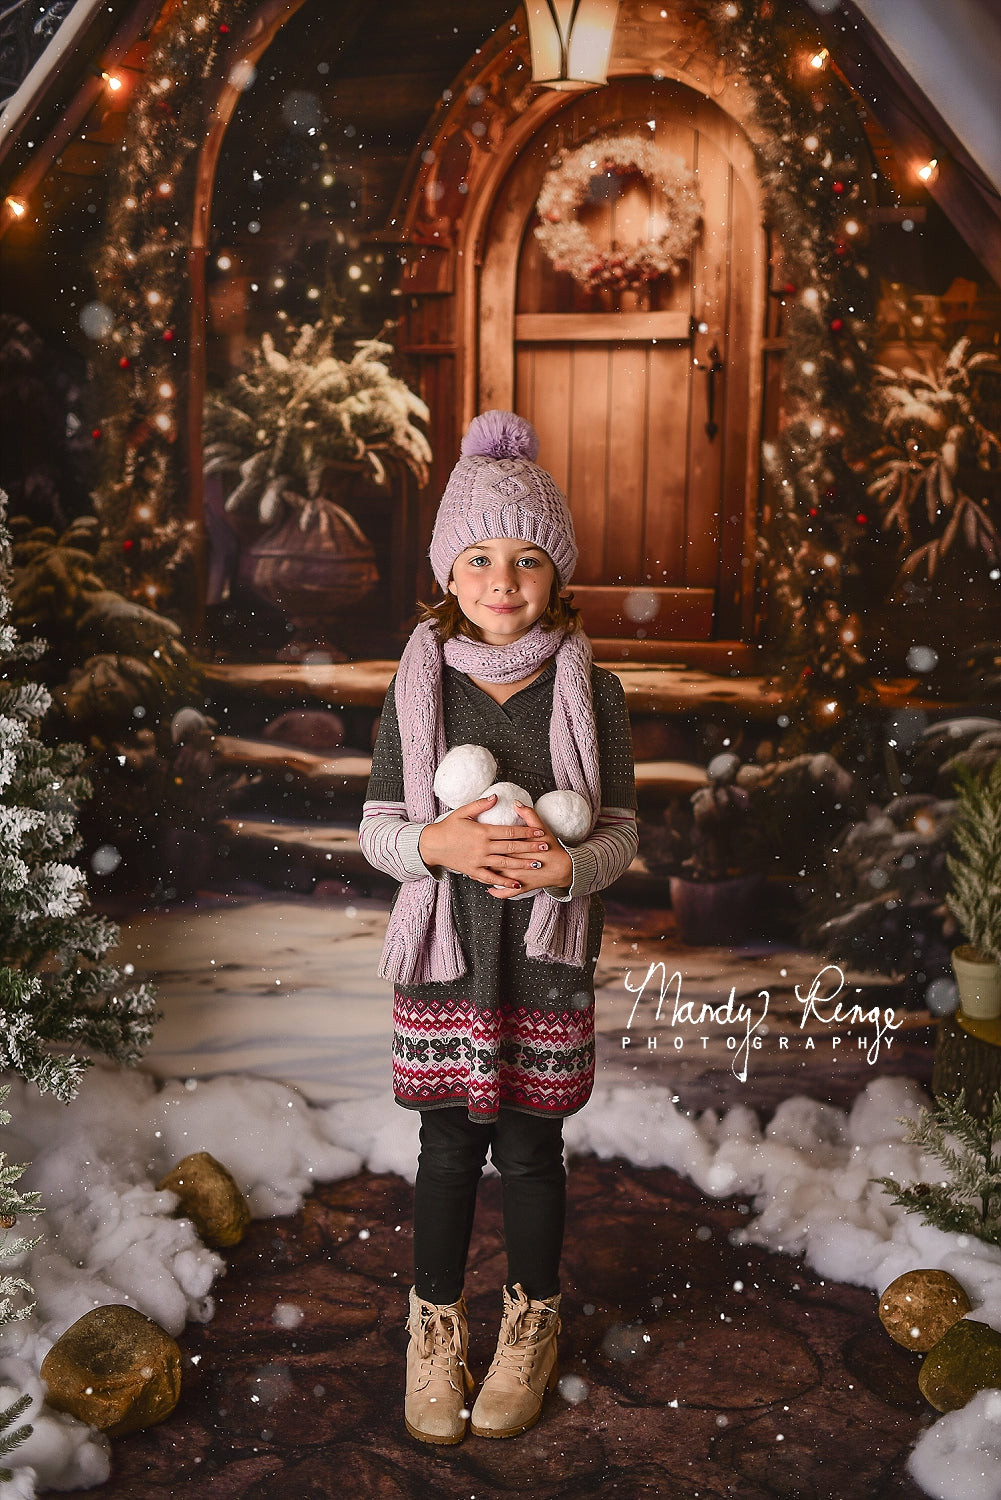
714	896
974	897
763	820
292	426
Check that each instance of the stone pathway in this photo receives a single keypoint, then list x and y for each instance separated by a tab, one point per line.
699	1368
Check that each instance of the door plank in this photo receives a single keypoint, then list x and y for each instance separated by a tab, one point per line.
666	481
667	614
552	394
605	327
588	491
627	428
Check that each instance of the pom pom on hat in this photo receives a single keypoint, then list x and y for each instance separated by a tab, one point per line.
500	434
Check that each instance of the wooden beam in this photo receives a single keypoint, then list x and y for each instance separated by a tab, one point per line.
605	328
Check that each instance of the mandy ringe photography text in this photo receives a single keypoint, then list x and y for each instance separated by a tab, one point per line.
745	1021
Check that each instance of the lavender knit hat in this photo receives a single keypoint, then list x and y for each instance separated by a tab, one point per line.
497	489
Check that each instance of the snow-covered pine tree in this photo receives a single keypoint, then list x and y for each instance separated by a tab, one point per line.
975	898
967	1199
56	992
14	1205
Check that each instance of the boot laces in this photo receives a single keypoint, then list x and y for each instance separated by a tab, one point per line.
439	1344
524	1327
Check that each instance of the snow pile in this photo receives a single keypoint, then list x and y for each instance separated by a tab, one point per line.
109	1236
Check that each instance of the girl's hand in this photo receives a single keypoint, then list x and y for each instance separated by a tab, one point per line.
551	865
495	855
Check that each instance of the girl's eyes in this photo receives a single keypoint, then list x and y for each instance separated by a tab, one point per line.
524	562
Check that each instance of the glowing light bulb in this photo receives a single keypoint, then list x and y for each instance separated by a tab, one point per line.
929	171
165	389
354	272
17	206
224	262
162	421
819	59
112	80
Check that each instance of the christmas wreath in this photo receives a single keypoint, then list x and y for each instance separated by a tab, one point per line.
568	244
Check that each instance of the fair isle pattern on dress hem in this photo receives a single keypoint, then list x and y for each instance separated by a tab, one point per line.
448	1052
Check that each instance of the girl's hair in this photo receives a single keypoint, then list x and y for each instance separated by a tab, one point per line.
559	614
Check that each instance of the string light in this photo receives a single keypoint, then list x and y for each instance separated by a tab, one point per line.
929	171
819	59
17	206
224	262
112	80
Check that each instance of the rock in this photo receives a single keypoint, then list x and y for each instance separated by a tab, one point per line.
210	1198
308	728
964	1361
115	1369
920	1307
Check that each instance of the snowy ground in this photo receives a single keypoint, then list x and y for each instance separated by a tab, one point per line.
110	1237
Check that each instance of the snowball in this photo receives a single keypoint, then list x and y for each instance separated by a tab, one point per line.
507	794
463	774
568	814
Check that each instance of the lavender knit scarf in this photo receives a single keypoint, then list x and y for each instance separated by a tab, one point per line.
422	946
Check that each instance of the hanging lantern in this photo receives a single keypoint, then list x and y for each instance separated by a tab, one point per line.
571	42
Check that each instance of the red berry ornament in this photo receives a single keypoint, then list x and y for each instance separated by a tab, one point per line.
837	188
125	363
836	325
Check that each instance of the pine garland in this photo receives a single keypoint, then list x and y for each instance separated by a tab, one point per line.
968	1199
56	992
814	185
975	897
148	541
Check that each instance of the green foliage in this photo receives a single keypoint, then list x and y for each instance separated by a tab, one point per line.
104	654
938	475
14	1205
975	896
288	417
11	1440
968	1198
57	992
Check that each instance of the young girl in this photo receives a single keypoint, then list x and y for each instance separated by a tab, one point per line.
493	1018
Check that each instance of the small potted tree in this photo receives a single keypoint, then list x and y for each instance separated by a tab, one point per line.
291	429
975	894
714	897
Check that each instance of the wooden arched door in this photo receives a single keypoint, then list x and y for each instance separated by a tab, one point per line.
663	491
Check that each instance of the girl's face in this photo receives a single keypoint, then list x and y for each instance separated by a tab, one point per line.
503	586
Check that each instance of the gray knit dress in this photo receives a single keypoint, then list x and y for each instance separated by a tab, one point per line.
511	1031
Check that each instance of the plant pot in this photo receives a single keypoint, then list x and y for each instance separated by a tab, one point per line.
979	984
313	564
713	913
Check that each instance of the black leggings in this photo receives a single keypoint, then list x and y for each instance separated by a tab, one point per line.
528	1153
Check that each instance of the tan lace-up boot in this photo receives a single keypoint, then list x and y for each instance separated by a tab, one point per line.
438	1378
523	1369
